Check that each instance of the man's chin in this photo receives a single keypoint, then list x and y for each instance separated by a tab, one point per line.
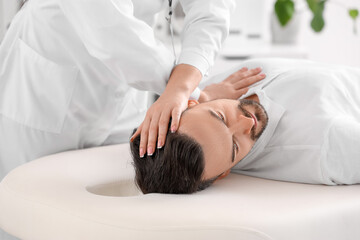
263	120
256	109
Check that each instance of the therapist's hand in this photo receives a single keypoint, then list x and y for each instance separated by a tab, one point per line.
170	104
233	87
157	121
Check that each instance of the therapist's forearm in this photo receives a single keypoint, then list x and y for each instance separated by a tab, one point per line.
184	78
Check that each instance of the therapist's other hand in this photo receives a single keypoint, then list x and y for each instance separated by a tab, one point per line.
172	102
233	87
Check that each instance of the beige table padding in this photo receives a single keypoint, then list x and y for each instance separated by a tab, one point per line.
90	194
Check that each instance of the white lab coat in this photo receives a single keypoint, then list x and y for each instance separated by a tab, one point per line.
71	71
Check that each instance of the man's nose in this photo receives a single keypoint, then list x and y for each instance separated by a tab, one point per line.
243	124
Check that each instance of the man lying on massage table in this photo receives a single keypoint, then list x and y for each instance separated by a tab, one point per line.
300	124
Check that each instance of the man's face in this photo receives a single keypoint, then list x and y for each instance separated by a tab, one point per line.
226	130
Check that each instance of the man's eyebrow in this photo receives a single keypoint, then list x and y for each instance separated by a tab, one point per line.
212	113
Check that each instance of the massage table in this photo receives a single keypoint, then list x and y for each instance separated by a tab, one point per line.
90	194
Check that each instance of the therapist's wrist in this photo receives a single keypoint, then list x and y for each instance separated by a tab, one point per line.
184	78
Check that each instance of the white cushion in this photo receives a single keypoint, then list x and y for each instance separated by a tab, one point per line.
90	194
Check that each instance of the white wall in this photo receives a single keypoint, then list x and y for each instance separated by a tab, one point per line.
337	42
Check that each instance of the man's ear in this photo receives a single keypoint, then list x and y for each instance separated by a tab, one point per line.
223	175
192	103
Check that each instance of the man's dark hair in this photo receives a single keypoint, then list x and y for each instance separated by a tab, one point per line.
176	168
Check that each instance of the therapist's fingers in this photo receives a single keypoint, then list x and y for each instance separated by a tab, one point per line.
163	128
153	132
237	75
241	92
246	82
144	136
252	72
175	119
157	119
137	132
242	70
240	75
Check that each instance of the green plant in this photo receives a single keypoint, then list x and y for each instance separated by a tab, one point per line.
285	9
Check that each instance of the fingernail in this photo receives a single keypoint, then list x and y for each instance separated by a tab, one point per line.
160	145
262	75
142	152
173	129
259	69
150	151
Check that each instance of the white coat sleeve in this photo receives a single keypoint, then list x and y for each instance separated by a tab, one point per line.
125	44
207	24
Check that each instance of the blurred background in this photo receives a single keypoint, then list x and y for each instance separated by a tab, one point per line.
256	31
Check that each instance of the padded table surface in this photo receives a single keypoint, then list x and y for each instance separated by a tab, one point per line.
90	194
